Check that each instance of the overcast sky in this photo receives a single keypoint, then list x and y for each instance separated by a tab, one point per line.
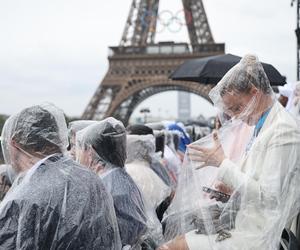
56	50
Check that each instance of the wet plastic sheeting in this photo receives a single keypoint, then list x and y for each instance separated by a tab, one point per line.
261	170
58	205
128	204
160	170
102	148
31	129
106	140
140	150
5	180
73	128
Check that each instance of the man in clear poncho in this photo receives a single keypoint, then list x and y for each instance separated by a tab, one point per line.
102	148
173	161
155	164
265	180
54	202
140	150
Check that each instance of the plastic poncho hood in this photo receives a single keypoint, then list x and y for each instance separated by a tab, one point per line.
55	203
102	148
73	128
106	141
38	131
259	174
140	147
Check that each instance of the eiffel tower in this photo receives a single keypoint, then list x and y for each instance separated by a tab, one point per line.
139	67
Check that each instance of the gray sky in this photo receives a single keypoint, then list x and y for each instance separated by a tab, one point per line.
56	50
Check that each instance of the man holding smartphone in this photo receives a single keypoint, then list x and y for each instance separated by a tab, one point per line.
267	175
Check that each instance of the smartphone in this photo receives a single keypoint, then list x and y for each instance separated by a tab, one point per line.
219	196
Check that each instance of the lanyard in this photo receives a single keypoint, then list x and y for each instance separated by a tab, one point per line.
257	128
261	122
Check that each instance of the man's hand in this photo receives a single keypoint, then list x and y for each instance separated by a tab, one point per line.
207	156
221	187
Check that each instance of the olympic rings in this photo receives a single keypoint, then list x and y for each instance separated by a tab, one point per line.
166	19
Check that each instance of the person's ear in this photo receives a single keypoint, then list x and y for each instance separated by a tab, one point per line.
90	154
18	147
14	144
253	91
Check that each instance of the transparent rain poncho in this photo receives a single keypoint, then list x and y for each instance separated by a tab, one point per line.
173	162
159	160
102	148
54	202
105	141
5	179
253	160
33	135
140	150
73	128
155	162
157	166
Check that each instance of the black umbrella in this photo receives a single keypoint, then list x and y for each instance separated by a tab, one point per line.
211	69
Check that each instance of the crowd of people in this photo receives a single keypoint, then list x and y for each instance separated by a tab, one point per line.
99	185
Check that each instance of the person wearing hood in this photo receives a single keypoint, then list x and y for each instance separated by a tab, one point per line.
140	150
54	202
73	128
264	182
171	155
155	164
102	148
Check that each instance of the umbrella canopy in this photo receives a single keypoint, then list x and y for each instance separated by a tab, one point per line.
211	69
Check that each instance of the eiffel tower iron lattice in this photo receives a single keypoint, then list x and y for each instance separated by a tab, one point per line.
139	67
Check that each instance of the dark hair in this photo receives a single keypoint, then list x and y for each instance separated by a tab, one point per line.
176	140
36	132
139	129
160	142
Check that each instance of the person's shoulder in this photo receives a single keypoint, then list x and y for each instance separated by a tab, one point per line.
121	179
283	127
283	119
56	174
83	174
49	183
74	168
